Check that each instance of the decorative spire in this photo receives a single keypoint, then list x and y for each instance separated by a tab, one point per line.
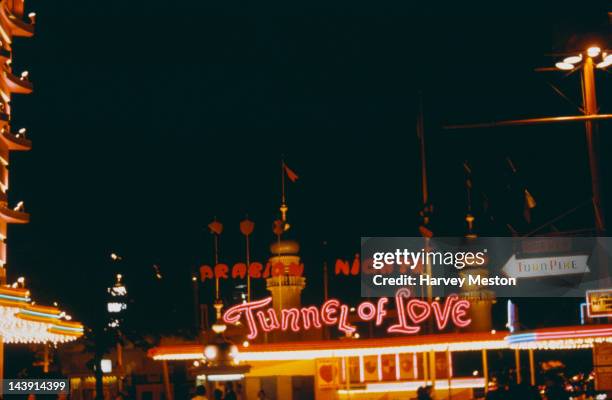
292	177
281	225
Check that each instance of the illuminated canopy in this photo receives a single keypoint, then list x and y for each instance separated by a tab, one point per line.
570	337
23	322
310	350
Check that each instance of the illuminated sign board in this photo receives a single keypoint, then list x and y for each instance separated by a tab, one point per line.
411	312
260	270
546	266
599	303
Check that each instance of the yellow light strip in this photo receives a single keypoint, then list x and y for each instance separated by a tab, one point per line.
461	383
371	351
178	357
296	355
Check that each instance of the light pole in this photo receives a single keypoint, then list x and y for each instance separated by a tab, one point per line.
589	60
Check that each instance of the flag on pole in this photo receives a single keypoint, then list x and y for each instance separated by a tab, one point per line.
290	173
215	227
246	227
529	204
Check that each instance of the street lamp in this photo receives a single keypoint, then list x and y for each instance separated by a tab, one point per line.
588	61
592	56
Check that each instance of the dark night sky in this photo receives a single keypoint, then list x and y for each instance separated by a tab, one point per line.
150	118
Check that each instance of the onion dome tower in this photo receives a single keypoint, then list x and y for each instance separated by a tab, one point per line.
286	281
286	284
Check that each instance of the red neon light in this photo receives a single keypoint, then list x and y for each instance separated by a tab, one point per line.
269	323
402	326
366	311
343	325
416	306
328	313
382	302
311	315
459	312
410	313
442	315
233	314
292	314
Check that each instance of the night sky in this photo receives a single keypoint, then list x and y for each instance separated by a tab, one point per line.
150	118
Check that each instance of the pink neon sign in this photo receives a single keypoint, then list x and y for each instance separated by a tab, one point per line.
411	312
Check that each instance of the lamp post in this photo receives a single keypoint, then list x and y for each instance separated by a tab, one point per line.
589	60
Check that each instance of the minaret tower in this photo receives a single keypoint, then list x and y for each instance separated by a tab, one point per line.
286	281
286	287
12	24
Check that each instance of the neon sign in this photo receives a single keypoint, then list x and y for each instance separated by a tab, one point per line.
255	270
265	270
411	312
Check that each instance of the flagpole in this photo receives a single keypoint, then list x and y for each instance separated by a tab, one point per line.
248	274
246	227
216	244
421	135
282	181
283	210
420	128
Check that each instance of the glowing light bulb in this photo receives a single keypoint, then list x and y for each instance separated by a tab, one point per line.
593	51
210	352
573	59
233	351
564	66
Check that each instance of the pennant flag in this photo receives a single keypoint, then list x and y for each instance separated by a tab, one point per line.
246	227
216	227
290	174
529	204
278	227
529	200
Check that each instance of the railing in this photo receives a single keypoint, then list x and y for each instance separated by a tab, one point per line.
285	280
